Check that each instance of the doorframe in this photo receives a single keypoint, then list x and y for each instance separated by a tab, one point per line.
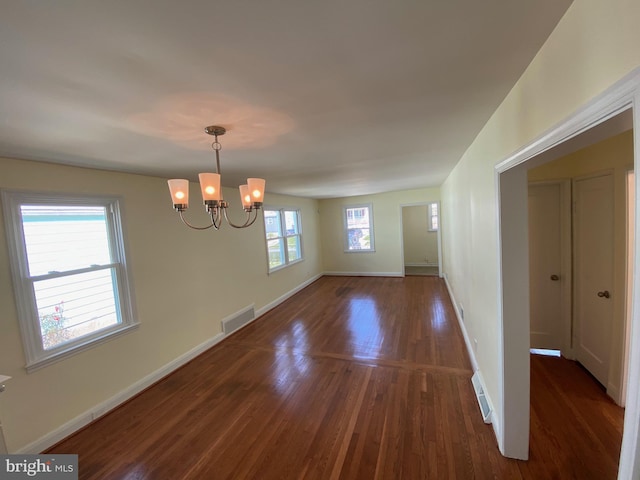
513	301
566	259
438	232
630	215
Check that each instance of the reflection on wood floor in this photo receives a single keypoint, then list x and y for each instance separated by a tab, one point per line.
353	378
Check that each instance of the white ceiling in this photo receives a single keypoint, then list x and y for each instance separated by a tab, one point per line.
322	98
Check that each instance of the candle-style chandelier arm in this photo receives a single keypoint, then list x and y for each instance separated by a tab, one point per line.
247	223
251	194
195	227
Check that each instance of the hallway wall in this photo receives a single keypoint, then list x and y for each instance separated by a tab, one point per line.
593	46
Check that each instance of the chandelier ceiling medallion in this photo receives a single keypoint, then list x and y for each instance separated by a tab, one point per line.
251	194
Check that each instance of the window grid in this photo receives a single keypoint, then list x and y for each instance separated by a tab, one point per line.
69	272
358	228
283	236
434	217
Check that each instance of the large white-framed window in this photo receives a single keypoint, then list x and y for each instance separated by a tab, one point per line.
358	228
69	272
433	217
283	232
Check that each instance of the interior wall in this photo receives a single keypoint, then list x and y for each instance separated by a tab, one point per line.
592	47
387	224
419	244
184	283
614	154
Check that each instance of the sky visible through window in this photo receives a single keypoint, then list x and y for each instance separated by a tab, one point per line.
60	240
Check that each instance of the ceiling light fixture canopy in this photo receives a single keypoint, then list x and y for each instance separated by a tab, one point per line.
251	194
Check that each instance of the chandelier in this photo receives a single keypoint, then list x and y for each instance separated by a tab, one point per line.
251	194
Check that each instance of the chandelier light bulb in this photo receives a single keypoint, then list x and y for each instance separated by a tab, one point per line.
256	187
210	186
179	188
245	196
251	195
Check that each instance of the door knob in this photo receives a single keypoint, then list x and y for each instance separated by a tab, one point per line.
604	294
554	277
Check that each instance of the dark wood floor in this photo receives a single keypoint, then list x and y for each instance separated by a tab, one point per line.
353	378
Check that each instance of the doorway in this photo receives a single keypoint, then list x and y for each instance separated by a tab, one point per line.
421	251
591	282
606	115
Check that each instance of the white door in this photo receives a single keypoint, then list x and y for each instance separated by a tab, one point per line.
545	229
593	273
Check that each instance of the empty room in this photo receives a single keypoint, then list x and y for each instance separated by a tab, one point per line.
319	239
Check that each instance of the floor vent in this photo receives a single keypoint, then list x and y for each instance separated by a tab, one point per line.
237	320
485	409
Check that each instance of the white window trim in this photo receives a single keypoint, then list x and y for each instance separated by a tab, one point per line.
36	356
286	263
345	231
430	216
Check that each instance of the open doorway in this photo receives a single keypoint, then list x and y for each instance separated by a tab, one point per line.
579	241
421	239
578	291
609	114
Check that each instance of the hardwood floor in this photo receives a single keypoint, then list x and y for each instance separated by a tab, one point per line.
352	378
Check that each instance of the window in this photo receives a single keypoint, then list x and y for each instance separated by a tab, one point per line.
358	228
69	272
433	218
284	237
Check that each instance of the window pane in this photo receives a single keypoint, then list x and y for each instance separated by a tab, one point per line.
291	222
276	252
74	306
293	248
358	217
62	238
434	223
359	239
272	223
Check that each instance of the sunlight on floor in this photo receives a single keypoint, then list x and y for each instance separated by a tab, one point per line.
545	352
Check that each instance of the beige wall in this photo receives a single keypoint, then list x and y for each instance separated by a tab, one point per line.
616	155
219	273
593	46
419	244
387	258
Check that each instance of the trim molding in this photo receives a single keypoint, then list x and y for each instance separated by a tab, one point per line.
618	97
472	356
102	408
106	406
364	274
463	327
424	264
271	305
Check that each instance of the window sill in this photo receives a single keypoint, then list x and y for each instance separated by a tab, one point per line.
77	348
282	267
361	251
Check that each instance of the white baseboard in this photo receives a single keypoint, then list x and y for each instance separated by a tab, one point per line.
420	264
463	327
102	408
364	274
614	392
472	356
282	298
